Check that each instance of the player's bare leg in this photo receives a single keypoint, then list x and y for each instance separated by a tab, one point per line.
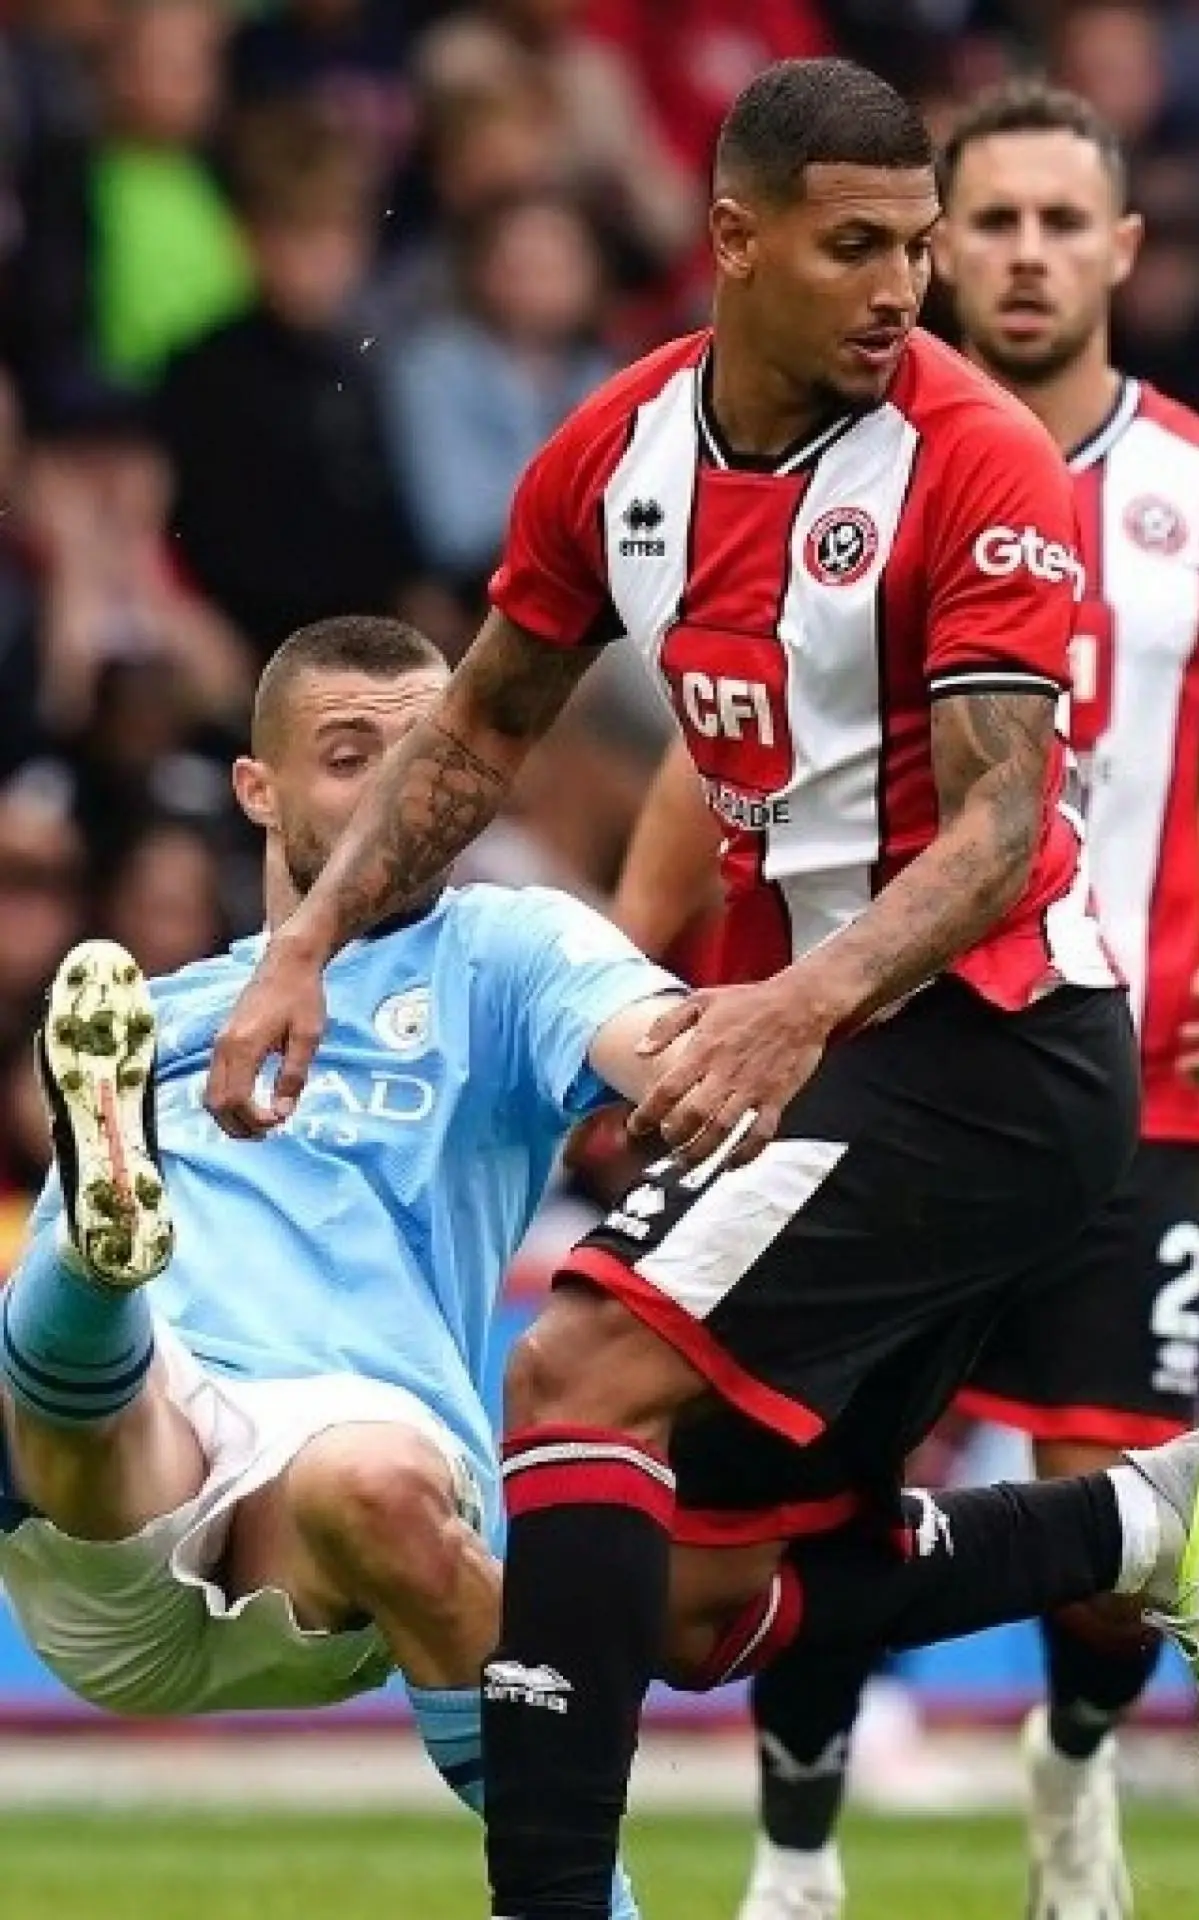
97	1445
372	1520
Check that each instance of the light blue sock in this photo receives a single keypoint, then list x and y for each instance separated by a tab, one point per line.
451	1725
72	1351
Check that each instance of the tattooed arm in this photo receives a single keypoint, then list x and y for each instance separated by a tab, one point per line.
991	755
434	793
752	1048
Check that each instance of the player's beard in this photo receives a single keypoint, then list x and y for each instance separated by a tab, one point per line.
304	856
1034	366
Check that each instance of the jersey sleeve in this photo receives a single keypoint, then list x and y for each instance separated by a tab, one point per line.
1004	575
551	578
570	971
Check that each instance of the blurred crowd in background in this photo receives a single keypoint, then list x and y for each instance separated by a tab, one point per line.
289	294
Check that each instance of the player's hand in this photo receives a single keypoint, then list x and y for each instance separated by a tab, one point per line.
281	1011
749	1051
1188	1038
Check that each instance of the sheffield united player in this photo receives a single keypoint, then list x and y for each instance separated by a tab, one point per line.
1103	1353
848	559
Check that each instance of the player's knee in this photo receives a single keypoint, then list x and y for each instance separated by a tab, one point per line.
382	1521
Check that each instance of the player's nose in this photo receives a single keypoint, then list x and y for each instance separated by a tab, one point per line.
1029	254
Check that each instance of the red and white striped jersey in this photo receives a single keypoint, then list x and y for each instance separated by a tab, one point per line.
802	613
1136	719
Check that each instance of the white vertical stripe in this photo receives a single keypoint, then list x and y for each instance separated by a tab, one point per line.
1154	599
658	466
717	1241
740	1660
1076	947
823	855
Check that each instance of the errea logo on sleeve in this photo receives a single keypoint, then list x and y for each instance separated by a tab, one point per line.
1000	551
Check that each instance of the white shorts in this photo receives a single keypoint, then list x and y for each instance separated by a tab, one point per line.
139	1626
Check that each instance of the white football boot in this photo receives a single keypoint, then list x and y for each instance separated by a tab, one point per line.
786	1885
95	1058
1076	1860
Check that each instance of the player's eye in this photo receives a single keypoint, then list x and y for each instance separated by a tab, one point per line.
852	247
346	762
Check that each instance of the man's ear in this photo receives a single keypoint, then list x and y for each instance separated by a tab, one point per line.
255	792
733	227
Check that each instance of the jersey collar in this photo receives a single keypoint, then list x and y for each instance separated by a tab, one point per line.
716	449
1100	443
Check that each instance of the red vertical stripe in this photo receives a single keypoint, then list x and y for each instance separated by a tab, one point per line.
740	547
907	794
1171	1105
1088	505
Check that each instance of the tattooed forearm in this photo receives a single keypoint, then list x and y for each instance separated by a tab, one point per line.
441	785
990	758
433	797
518	685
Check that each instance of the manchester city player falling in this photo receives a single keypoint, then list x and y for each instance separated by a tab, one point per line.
275	1484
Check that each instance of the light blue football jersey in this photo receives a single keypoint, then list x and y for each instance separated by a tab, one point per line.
371	1233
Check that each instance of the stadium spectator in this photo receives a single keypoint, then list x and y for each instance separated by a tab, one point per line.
609	145
350	57
96	504
479	147
41	892
164	899
286	510
691	60
476	390
167	260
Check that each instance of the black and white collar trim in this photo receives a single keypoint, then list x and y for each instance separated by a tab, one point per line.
792	459
1100	443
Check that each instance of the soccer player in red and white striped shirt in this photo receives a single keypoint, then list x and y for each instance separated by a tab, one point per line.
1105	1352
848	561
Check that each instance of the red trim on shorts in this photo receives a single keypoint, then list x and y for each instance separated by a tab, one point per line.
690	1337
1101	1426
761	1631
752	1527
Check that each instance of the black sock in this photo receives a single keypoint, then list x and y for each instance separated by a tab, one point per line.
585	1583
974	1558
804	1710
1094	1678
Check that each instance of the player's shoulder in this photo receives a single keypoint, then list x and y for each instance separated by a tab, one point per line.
216	974
520	922
643	380
1156	409
954	405
592	437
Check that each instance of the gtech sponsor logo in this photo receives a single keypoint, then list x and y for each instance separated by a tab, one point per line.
1001	551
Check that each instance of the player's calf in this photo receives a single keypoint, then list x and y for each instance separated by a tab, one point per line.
591	1396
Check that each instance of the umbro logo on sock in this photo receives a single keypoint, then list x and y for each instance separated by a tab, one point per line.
933	1531
541	1687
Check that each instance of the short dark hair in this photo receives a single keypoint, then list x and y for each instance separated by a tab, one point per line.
1033	106
802	113
290	167
349	643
